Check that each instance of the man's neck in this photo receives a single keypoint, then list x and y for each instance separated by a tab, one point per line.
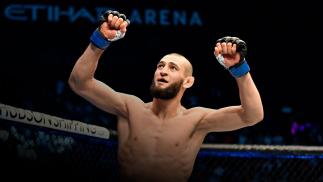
166	108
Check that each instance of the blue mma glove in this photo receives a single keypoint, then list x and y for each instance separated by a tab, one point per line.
98	39
242	67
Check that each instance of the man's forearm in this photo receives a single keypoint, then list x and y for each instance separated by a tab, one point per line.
85	67
250	99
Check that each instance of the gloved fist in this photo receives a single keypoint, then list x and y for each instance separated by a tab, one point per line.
112	27
230	53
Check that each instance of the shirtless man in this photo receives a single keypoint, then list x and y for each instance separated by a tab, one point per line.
159	140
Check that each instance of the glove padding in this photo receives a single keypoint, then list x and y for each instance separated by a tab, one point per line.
105	15
241	45
98	39
242	67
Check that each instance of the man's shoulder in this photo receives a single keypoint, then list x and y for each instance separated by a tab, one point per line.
199	110
132	99
195	110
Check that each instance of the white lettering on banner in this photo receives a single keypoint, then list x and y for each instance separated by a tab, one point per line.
25	116
55	13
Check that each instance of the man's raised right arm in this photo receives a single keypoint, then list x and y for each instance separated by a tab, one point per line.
82	81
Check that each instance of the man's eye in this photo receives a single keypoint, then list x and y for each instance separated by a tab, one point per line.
173	68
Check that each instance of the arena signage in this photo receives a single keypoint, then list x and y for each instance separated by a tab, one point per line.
72	14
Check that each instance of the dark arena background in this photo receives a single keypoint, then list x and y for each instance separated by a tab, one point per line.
41	41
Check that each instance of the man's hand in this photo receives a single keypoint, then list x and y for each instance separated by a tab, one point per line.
232	49
113	26
230	53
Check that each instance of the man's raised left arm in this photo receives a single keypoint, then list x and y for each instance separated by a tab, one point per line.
230	53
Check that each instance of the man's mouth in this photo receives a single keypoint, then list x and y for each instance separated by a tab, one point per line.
162	80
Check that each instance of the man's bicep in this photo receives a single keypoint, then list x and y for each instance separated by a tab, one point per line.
105	98
224	119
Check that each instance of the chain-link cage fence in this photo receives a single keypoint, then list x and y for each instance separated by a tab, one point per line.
37	146
263	163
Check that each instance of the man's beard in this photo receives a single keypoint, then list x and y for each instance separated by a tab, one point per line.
165	93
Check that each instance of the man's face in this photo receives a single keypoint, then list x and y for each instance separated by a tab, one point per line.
168	78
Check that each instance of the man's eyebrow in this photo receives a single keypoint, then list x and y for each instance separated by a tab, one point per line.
174	64
161	62
171	63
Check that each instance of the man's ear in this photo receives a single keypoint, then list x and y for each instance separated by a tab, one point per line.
188	82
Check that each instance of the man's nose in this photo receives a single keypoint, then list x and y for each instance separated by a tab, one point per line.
163	72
